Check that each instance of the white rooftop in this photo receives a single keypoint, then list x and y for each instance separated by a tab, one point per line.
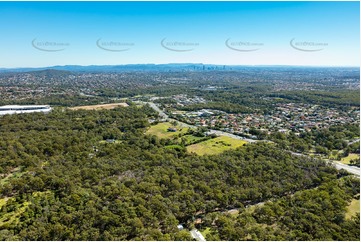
24	106
13	109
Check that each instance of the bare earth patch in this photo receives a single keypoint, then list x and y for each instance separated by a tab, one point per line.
100	106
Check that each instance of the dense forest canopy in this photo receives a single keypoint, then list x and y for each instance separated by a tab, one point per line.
62	180
101	175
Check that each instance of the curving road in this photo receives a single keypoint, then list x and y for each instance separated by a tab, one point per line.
211	131
352	169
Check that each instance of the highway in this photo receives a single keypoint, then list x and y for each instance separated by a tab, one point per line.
352	169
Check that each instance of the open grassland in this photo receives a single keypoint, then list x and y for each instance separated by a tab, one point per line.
100	106
353	208
215	146
346	160
161	130
190	139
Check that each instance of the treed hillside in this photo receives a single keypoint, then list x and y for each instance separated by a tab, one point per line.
95	175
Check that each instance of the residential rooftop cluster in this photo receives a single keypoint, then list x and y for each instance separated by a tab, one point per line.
183	99
296	117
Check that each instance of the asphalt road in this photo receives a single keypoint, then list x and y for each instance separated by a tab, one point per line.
353	141
197	235
352	169
212	131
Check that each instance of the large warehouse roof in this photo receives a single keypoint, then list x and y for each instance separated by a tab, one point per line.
11	109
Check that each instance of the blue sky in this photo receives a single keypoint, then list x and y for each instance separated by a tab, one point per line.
258	33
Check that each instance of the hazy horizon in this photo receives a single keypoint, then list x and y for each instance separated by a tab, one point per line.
208	64
41	34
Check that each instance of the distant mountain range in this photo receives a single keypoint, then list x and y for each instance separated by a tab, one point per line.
156	67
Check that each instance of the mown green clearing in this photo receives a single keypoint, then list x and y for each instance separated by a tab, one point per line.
190	139
161	130
353	208
215	146
346	160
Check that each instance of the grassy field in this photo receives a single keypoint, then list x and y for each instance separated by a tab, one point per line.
346	160
353	208
161	131
211	146
100	106
215	146
190	139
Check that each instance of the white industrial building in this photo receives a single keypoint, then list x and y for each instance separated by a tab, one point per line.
13	109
